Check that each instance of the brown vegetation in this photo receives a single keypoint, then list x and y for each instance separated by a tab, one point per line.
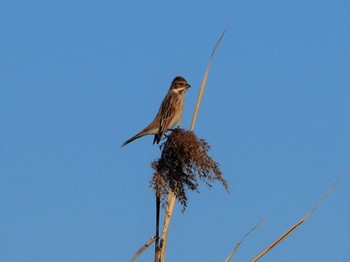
183	162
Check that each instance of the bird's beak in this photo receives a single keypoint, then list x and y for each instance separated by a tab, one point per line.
188	86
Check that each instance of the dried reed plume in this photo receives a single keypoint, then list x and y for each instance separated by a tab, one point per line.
183	162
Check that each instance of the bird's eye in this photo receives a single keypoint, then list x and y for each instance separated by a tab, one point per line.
181	84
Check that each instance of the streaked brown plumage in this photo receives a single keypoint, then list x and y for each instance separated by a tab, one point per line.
169	113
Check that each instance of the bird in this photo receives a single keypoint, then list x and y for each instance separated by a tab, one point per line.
169	113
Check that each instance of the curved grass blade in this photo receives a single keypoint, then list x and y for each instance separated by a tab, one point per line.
240	242
295	226
143	248
201	90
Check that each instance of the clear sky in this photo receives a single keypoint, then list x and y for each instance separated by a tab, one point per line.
77	78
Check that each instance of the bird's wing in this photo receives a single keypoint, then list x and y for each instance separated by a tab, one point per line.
167	112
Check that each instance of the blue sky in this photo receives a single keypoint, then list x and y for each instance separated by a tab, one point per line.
80	77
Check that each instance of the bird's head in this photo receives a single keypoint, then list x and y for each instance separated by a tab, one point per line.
179	85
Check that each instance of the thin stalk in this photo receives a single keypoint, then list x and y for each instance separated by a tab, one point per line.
156	245
168	215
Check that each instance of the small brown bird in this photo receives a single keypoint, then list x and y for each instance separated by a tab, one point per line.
170	112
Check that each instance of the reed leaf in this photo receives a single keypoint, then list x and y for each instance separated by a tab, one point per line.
295	226
143	248
240	242
204	82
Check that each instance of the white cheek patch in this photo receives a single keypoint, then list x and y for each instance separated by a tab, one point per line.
179	90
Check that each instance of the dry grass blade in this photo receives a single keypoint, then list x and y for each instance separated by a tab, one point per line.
295	226
150	242
201	90
240	242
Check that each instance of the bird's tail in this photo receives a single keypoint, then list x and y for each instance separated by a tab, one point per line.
151	129
141	134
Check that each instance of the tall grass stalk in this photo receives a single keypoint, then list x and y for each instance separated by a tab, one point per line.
171	197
